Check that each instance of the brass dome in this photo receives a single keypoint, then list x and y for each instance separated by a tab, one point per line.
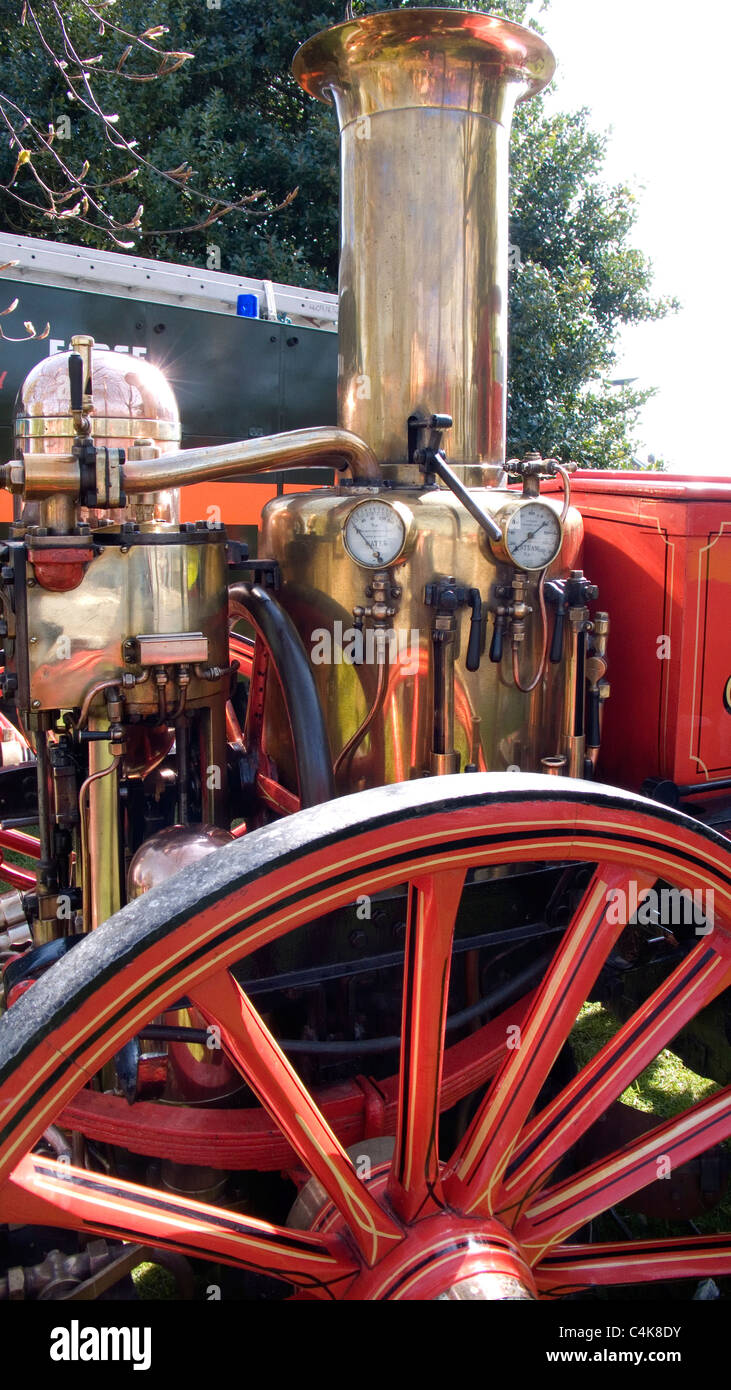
133	400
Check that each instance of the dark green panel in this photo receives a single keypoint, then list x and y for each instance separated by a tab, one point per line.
233	377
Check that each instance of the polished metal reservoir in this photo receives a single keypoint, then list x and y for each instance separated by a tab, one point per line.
496	726
164	583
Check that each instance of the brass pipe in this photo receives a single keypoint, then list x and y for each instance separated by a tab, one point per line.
323	447
93	913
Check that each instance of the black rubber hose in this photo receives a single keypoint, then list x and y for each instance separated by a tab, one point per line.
311	743
500	998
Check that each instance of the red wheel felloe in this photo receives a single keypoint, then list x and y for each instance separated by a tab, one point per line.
492	1216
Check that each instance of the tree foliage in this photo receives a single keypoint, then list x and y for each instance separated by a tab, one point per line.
237	120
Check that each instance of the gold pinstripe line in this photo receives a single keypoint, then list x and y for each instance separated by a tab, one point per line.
416	1032
701	590
395	1270
599	1176
254	1242
360	1212
621	1262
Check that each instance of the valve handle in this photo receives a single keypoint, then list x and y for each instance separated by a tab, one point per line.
555	592
556	652
474	644
76	382
593	736
496	645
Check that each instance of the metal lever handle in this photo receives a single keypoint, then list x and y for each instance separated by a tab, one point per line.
436	464
593	734
474	644
76	382
496	645
556	652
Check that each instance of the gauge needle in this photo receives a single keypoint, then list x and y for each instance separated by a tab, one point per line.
365	538
530	536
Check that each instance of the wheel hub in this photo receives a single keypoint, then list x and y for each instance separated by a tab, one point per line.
442	1256
449	1257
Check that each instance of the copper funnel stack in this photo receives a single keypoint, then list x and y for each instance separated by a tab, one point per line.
424	100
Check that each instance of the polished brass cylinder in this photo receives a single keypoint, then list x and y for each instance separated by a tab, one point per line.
132	407
162	582
496	726
424	100
102	872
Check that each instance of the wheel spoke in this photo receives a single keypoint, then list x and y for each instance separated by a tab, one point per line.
250	1045
572	1267
562	1209
274	795
431	912
43	1192
693	984
479	1162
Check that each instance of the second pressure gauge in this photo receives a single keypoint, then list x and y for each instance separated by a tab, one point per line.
532	534
375	532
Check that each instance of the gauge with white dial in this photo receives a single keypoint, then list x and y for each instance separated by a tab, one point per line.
374	533
532	535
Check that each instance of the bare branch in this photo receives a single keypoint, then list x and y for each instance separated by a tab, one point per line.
65	194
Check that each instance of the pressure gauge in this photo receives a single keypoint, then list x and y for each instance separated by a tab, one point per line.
532	534
375	532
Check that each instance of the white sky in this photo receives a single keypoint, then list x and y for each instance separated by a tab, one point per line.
656	72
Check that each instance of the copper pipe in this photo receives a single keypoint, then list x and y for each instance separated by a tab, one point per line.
563	474
323	447
542	664
344	758
89	696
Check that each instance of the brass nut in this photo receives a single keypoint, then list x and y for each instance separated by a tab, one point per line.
15	477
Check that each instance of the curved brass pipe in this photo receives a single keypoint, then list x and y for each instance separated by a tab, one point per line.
321	446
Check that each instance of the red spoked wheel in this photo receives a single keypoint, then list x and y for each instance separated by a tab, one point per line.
493	1217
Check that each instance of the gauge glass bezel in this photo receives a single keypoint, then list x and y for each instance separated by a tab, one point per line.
406	521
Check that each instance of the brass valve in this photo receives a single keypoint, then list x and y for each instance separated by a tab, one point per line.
381	610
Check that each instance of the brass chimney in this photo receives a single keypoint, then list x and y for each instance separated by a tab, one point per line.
424	100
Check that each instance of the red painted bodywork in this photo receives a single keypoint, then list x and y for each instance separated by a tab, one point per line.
659	547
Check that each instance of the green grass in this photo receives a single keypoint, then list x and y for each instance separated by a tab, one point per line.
664	1088
153	1282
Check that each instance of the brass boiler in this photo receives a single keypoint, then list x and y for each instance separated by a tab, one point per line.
122	625
424	100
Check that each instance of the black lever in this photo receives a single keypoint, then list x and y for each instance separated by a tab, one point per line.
496	645
555	592
76	382
474	645
593	734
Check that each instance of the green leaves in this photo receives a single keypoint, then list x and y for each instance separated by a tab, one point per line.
234	122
